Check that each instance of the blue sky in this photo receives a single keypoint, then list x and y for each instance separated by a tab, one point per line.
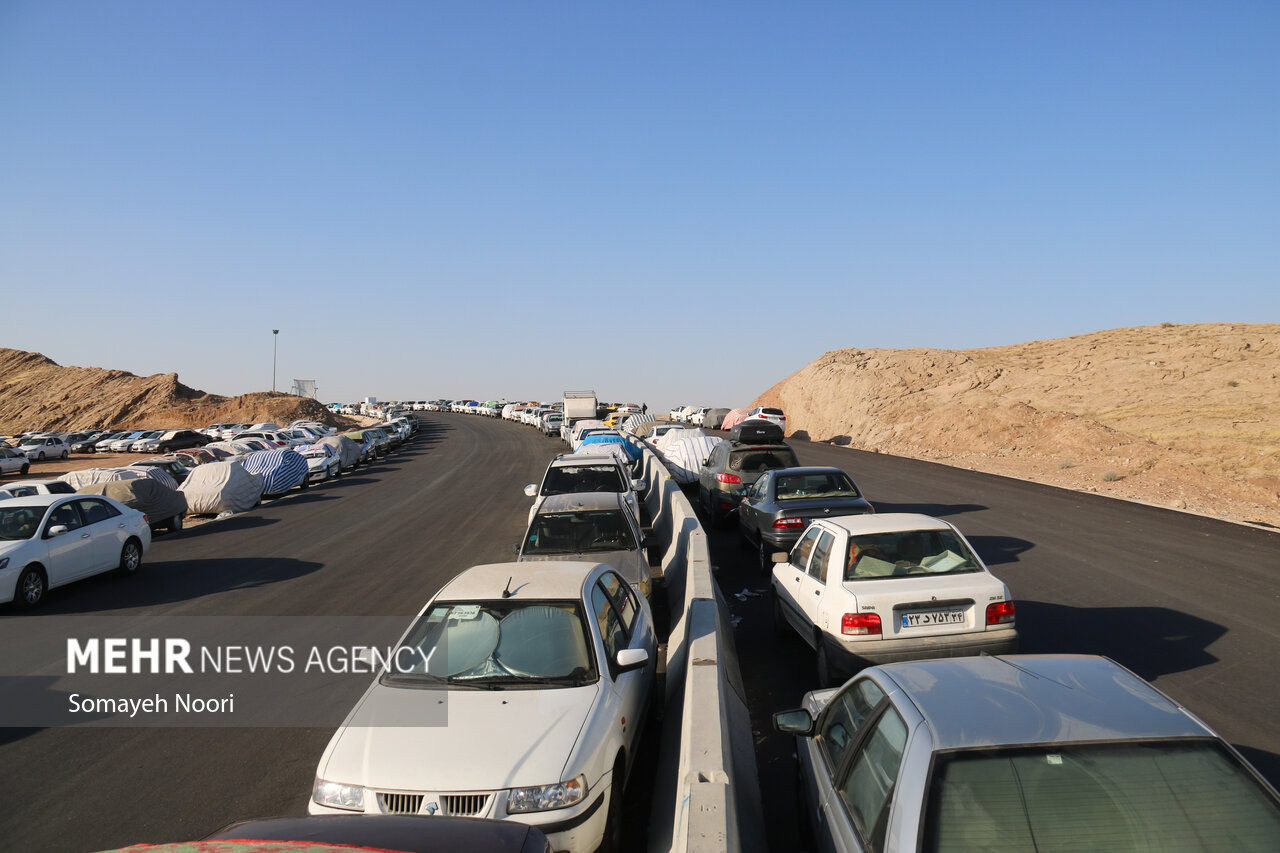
668	202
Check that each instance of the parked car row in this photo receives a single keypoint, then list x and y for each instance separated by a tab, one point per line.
549	666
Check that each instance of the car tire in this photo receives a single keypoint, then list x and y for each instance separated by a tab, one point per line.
40	456
612	842
32	585
826	678
175	523
130	557
24	469
781	626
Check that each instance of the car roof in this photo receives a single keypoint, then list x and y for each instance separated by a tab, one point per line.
530	580
577	459
887	522
41	499
990	701
574	501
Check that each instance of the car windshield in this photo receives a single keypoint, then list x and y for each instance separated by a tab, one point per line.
1157	795
579	532
19	522
568	479
834	484
912	552
496	645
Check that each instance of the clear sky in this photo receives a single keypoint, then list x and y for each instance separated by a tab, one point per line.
675	202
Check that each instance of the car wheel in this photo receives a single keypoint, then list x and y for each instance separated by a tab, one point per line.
825	676
130	557
175	523
31	587
40	456
613	825
780	625
64	454
24	469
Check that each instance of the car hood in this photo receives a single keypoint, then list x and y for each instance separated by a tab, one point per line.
8	546
494	739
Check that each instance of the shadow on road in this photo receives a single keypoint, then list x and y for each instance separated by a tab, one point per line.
167	582
936	510
1151	641
995	550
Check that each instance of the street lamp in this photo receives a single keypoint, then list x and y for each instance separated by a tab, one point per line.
275	339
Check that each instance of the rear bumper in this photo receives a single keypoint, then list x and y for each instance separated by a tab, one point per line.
850	657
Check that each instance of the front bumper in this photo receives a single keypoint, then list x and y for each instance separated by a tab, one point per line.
850	656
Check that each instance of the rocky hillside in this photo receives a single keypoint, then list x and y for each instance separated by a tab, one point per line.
1182	416
37	393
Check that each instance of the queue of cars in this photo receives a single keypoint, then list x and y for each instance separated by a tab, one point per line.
547	665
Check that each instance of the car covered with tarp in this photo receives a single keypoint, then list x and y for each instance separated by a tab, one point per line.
591	444
163	506
735	417
219	487
90	476
280	469
348	451
714	418
633	423
686	451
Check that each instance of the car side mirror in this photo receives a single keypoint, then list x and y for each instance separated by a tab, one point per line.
780	556
797	722
57	530
531	490
631	659
639	485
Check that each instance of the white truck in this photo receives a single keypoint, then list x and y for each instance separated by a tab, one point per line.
578	405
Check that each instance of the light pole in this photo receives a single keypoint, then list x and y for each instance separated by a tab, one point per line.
275	339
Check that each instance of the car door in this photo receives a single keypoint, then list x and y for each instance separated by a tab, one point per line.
788	579
622	625
108	529
858	806
813	585
71	554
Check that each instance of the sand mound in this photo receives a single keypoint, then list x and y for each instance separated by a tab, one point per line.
37	393
1181	416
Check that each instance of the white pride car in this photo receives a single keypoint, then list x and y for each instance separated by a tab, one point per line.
544	671
50	540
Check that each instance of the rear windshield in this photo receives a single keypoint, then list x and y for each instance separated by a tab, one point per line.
912	552
755	460
771	411
835	484
1158	795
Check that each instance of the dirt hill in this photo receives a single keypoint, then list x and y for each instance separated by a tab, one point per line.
37	393
1180	416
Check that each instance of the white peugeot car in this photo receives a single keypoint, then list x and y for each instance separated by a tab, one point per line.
50	540
543	671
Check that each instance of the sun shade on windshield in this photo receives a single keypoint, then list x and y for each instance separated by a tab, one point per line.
913	552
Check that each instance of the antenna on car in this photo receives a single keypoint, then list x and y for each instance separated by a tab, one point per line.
506	593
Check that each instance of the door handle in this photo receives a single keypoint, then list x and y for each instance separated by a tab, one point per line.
84	535
817	592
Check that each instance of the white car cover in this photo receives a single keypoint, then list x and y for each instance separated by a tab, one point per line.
665	441
92	476
633	421
219	487
685	455
348	450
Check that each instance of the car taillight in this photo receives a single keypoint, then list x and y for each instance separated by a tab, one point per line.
729	478
1000	613
859	624
788	524
146	519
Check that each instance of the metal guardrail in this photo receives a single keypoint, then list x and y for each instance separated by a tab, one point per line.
707	795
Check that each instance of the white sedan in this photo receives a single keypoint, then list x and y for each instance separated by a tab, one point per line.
12	462
44	447
323	461
50	540
537	675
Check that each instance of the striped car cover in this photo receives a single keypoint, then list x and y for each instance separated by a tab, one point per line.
280	469
685	455
630	424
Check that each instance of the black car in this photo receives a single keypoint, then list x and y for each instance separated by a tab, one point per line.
776	509
182	439
734	465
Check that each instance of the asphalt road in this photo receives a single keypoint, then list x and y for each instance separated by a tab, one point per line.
1188	603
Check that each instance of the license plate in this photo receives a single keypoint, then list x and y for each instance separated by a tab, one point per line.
932	617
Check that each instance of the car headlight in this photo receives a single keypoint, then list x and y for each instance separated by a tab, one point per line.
541	798
338	796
